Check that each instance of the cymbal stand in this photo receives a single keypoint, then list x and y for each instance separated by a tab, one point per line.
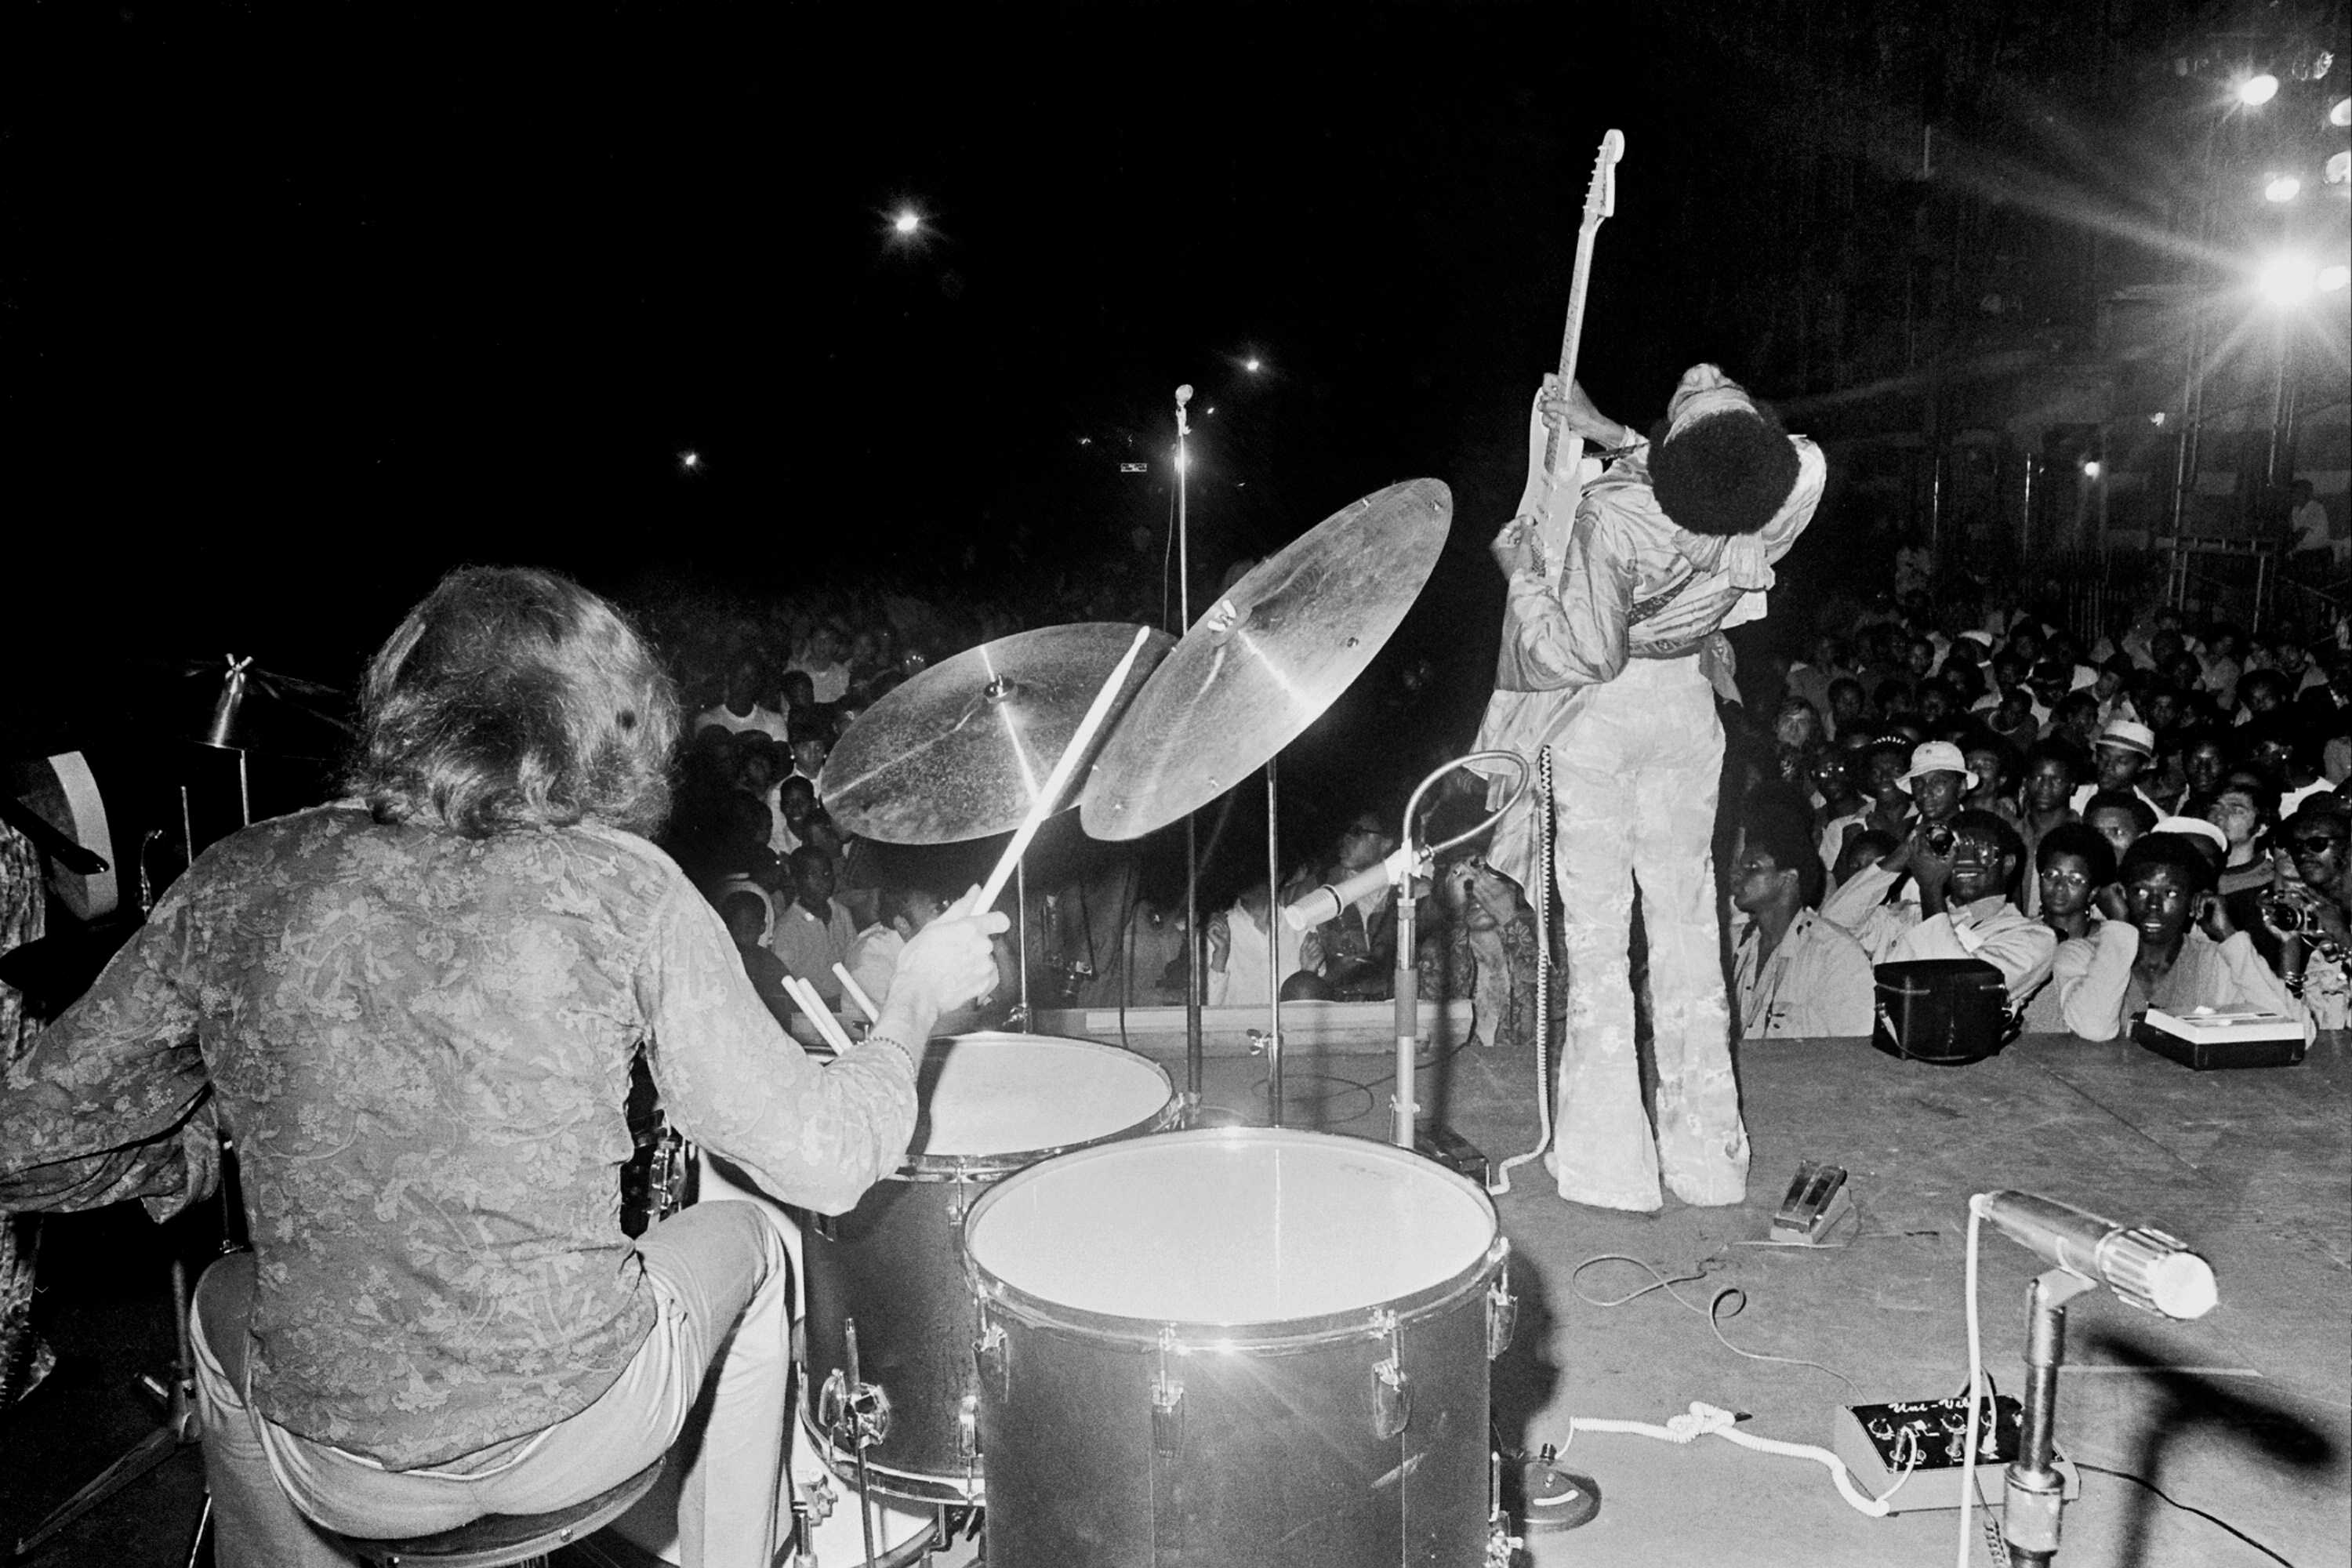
1020	935
1272	950
178	1431
1194	949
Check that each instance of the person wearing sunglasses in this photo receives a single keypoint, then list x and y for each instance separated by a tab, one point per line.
2307	913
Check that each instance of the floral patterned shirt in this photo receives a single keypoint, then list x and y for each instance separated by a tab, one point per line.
423	1042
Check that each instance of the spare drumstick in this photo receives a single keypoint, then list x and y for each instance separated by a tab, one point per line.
857	992
1059	779
818	1013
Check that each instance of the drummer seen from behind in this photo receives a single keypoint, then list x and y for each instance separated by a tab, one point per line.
417	1007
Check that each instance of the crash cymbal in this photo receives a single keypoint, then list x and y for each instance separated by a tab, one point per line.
1267	657
961	751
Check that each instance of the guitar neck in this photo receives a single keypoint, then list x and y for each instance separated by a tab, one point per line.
1571	337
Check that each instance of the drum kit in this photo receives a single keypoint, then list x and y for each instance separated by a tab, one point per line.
1065	1320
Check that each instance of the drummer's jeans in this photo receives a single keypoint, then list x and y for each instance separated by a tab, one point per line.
722	1285
1635	781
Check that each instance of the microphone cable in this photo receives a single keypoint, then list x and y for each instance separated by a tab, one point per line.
1542	808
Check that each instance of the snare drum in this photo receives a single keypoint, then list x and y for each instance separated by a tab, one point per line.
1238	1346
893	1267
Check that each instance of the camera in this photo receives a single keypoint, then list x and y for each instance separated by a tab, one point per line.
2284	915
1940	840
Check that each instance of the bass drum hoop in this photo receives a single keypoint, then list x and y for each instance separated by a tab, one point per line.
1265	1336
998	1163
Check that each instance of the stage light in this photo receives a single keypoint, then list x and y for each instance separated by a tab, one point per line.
908	221
1252	365
2332	278
2282	188
2090	468
2340	112
1209	410
2156	418
2287	279
689	461
2339	168
2258	90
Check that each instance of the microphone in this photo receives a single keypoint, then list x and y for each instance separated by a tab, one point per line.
1183	394
1326	902
2151	1270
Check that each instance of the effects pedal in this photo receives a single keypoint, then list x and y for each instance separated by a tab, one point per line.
1816	1200
1451	1150
1929	1437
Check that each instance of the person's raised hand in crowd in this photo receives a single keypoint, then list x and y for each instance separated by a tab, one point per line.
1933	871
2213	917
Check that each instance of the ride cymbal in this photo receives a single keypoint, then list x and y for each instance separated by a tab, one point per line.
961	751
1265	660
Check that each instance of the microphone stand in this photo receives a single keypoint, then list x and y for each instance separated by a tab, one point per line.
1403	867
2036	1490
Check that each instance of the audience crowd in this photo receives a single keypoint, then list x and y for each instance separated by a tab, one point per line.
2149	817
2146	815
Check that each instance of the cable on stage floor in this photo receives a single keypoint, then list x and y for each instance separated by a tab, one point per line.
1713	1312
1703	1420
2214	1520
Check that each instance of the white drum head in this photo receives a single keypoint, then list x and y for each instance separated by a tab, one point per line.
1230	1226
1003	1094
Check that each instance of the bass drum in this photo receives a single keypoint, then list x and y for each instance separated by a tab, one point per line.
892	1268
1237	1347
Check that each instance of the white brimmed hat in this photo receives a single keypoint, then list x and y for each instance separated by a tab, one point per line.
2128	735
1937	757
2196	826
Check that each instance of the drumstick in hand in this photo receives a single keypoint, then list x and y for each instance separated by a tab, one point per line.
818	1013
1042	807
857	992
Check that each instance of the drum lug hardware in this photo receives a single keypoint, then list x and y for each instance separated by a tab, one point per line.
818	1500
959	1200
1166	1401
968	1431
1502	1316
990	1360
1391	1390
855	1413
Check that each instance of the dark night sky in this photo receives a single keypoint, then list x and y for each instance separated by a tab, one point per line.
305	304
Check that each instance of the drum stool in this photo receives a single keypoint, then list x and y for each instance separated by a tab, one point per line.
507	1540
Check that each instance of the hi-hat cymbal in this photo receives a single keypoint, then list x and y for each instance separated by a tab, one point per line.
1266	660
961	750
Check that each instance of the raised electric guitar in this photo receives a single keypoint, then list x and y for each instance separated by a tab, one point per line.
1554	457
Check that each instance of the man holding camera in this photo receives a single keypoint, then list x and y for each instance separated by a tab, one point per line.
1880	904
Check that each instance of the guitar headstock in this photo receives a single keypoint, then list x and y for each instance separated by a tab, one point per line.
1601	195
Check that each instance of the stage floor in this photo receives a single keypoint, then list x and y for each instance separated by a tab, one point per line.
2246	1413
